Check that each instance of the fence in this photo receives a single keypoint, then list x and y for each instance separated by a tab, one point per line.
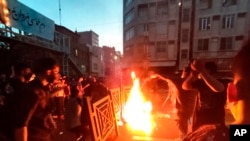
106	113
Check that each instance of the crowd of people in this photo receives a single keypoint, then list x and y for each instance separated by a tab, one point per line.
203	97
234	95
34	96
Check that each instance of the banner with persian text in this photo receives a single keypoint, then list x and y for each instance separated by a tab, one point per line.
30	21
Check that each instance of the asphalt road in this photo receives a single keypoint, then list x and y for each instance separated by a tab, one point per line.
165	130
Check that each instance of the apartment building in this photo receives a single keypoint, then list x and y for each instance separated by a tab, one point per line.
146	40
96	62
220	29
167	34
89	37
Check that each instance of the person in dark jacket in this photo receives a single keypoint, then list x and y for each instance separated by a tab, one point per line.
32	120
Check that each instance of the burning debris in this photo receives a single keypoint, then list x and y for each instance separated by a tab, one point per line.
138	111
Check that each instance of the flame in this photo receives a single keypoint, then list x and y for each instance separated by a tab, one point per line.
137	111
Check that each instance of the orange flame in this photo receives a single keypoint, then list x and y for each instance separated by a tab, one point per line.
137	111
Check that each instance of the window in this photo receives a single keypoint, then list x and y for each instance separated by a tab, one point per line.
204	23
172	22
171	42
161	47
142	10
128	2
216	17
95	66
185	35
226	43
76	52
129	50
203	44
186	15
184	54
240	37
129	16
205	4
172	1
162	8
129	34
228	21
226	3
242	15
152	4
161	29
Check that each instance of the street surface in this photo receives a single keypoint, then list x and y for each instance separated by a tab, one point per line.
165	130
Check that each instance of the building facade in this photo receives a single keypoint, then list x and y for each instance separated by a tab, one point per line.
220	29
21	41
89	37
150	34
76	55
96	61
167	34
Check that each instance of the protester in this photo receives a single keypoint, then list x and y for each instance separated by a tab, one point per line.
238	90
20	78
237	97
209	113
32	120
73	113
66	89
211	99
22	75
185	102
58	91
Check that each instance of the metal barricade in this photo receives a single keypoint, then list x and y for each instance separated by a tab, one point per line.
102	118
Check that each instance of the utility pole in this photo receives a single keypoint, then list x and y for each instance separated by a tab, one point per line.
60	12
191	41
146	55
179	34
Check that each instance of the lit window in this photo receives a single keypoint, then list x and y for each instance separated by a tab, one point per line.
76	52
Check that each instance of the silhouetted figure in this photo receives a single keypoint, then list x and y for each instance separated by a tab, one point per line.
32	120
211	97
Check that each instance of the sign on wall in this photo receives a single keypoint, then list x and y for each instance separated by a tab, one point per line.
30	21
